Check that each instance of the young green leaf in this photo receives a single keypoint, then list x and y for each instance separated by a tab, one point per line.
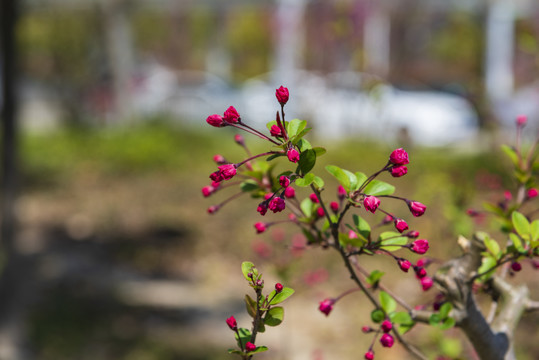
244	336
447	323
280	297
400	317
374	277
521	224
249	185
250	305
492	246
511	153
258	349
487	266
295	126
340	175
534	230
377	188
377	316
361	178
248	267
387	302
445	309
362	226
307	206
307	160
318	182
392	241
274	316
305	180
319	151
304	145
517	243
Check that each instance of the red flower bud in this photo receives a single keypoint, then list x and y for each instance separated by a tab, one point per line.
207	190
371	203
404	265
326	306
219	159
250	346
293	155
284	181
387	340
320	212
341	192
215	120
412	234
334	206
277	204
399	157
213	209
369	355
387	326
416	208
515	266
227	171
420	272
426	283
278	287
276	131
398	171
262	208
231	115
239	140
420	246
521	120
314	198
232	324
367	329
401	225
531	193
289	192
282	95
260	227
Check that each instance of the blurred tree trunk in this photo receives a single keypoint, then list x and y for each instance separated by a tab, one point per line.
119	45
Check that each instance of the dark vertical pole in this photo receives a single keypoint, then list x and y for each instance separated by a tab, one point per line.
9	111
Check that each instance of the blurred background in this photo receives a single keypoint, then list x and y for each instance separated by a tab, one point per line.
107	249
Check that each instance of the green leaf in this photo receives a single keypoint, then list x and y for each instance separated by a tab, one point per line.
447	323
307	206
377	188
340	175
534	230
244	336
445	309
400	317
387	302
361	178
248	267
307	160
404	328
318	182
295	126
270	124
517	242
352	178
299	137
258	349
362	226
249	185
492	246
434	319
521	224
234	351
280	297
274	156
305	180
374	277
377	316
487	263
344	240
319	151
493	209
250	305
274	316
304	145
389	238
511	153
451	347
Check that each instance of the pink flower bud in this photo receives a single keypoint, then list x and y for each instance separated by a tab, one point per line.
371	203
369	355
515	266
231	115
215	120
412	234
207	190
367	329
262	208
277	204
398	171
416	208
531	193
352	234
387	340
314	198
232	324
282	95
334	206
341	192
401	225
260	227
279	287
293	155
213	209
420	272
507	195
250	346
399	157
521	120
227	171
239	140
219	159
426	283
289	192
320	212
404	265
284	181
387	219
420	246
422	262
326	306
387	326
276	131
